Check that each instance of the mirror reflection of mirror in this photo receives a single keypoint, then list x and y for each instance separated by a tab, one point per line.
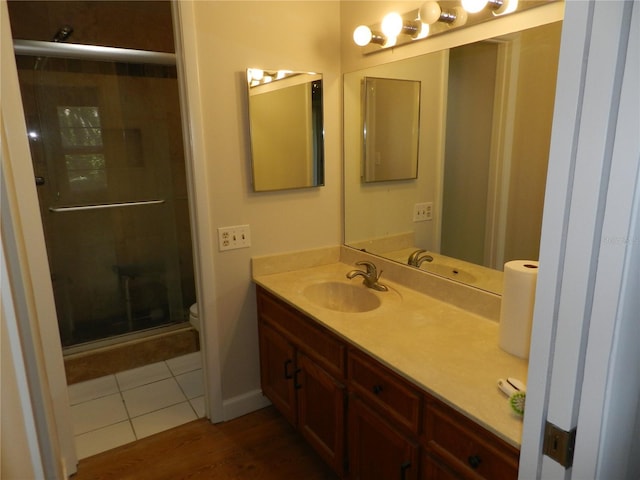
390	129
286	129
485	130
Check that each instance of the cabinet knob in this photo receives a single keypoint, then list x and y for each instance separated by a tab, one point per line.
403	470
287	375
296	384
377	389
474	461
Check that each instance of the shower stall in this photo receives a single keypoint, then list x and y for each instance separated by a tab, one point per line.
104	128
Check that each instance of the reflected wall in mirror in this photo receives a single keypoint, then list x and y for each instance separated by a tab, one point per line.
390	129
286	129
484	137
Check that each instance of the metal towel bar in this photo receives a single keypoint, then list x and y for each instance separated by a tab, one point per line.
91	52
104	205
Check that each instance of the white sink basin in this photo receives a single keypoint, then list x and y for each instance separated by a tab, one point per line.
342	297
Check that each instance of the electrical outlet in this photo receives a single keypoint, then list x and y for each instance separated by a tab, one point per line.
423	212
419	212
429	211
230	238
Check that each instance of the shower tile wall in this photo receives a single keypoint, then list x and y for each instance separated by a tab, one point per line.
128	24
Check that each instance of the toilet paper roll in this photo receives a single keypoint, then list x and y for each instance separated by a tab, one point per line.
516	311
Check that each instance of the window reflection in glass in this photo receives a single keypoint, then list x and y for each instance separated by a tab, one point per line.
80	126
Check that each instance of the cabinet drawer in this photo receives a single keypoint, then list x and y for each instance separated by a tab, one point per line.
385	390
465	446
324	347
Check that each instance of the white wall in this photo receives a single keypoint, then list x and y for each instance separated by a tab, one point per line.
230	37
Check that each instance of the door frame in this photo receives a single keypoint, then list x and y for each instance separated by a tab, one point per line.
43	358
581	276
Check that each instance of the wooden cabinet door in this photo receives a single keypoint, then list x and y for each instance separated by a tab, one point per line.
377	451
321	411
277	369
434	469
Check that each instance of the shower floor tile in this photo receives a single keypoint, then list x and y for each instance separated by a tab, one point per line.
116	409
105	438
154	396
191	383
92	389
162	420
143	375
97	413
185	363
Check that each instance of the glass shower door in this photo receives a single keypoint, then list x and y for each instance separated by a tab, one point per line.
108	158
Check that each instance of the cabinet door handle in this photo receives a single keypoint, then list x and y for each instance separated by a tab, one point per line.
296	384
377	389
474	461
287	375
403	470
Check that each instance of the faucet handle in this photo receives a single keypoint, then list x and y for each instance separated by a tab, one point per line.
413	258
371	268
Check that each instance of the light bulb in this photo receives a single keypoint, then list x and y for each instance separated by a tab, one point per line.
461	16
507	6
362	35
392	24
474	6
256	73
424	31
430	12
389	42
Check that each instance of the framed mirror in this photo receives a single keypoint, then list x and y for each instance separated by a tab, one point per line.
286	129
485	124
390	129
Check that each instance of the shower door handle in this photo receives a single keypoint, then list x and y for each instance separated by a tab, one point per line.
104	205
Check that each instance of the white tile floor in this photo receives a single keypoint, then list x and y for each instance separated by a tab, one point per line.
116	409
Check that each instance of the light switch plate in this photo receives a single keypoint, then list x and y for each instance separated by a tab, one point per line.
237	236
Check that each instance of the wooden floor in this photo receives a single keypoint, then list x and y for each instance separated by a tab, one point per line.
261	445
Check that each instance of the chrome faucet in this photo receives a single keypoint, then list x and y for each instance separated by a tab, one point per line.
416	259
371	276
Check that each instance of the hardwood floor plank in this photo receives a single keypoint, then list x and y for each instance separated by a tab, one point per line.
260	446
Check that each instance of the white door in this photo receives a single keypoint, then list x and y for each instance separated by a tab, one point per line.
587	297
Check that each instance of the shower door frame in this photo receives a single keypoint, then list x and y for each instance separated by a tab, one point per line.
174	302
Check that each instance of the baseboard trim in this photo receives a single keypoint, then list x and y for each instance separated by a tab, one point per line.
242	404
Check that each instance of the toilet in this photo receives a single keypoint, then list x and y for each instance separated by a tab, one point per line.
193	317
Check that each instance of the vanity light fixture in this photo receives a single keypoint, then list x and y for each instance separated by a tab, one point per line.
430	19
393	25
499	7
432	12
257	76
363	35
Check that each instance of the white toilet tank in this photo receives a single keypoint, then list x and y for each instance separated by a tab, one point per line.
194	320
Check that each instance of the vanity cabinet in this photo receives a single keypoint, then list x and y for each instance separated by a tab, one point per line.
456	447
302	372
384	414
378	450
395	430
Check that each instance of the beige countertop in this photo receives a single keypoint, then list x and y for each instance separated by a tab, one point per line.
447	351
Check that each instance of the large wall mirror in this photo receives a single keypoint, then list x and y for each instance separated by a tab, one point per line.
286	129
485	125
